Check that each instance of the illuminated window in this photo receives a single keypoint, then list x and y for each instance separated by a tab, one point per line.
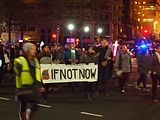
148	20
135	2
149	8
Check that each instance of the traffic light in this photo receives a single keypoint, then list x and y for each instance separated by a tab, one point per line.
146	31
54	36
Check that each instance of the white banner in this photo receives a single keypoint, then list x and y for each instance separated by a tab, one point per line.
61	73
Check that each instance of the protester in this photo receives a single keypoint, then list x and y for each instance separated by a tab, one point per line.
7	61
71	56
59	55
46	58
66	53
54	48
13	52
27	70
2	60
143	68
105	66
89	57
74	54
123	66
155	72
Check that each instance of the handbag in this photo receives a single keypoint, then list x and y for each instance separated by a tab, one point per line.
119	71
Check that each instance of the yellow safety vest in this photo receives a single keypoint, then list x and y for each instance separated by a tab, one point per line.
25	77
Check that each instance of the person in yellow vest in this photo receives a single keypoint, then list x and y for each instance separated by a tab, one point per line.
27	70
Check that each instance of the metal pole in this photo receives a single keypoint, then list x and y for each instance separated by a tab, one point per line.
70	36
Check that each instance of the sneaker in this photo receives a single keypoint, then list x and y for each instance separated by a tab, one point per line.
89	97
137	87
123	91
145	90
28	112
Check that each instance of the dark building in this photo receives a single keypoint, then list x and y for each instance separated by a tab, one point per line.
47	17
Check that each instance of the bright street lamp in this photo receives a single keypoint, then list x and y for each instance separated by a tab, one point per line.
70	27
86	29
100	30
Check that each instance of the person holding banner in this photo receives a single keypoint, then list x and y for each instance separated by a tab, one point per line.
89	57
66	53
27	70
46	58
72	56
105	66
45	55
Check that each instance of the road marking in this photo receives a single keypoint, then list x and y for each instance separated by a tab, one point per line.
91	114
3	98
149	85
42	105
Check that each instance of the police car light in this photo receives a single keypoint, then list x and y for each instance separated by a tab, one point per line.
143	46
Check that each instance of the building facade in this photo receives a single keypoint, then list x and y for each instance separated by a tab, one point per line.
146	17
42	18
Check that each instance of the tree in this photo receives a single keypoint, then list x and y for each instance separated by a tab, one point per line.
12	15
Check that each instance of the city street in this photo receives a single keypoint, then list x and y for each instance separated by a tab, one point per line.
79	59
64	105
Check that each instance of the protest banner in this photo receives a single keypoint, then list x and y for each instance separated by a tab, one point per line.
61	73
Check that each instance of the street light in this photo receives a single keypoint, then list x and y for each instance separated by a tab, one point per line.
100	30
86	29
71	28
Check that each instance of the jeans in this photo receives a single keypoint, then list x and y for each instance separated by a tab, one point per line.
103	77
155	79
123	79
143	79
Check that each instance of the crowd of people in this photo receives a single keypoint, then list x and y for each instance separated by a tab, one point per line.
25	61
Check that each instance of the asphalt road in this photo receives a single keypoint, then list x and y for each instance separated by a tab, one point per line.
64	105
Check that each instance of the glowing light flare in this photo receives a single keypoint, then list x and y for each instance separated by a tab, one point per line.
54	35
146	30
100	30
144	2
86	29
77	41
143	46
70	27
115	48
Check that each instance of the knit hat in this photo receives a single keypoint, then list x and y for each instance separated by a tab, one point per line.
27	46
